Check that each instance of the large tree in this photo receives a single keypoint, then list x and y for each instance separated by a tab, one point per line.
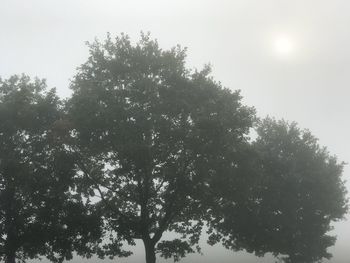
152	138
39	214
296	195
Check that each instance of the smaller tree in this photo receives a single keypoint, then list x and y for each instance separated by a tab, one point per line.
296	195
39	215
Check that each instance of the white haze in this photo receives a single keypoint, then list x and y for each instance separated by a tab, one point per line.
308	84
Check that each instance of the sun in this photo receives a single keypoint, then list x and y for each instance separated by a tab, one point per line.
284	45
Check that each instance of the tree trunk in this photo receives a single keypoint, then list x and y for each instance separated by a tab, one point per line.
150	251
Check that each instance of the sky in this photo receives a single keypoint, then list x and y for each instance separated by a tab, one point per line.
290	59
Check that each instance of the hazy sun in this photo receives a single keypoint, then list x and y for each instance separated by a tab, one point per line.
284	46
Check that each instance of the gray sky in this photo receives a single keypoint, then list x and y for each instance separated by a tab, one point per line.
291	59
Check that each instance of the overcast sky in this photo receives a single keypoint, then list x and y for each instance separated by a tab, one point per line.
290	59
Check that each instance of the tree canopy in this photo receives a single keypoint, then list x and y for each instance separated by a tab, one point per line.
152	138
146	146
39	215
297	193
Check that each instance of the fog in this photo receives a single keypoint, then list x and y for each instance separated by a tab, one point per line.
290	59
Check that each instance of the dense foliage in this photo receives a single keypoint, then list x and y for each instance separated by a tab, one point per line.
146	146
297	193
152	137
39	214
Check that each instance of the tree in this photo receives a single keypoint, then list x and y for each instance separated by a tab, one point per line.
297	193
39	216
151	139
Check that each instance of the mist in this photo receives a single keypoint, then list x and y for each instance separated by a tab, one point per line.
290	59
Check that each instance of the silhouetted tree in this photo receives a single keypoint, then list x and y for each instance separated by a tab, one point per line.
296	195
152	138
39	214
